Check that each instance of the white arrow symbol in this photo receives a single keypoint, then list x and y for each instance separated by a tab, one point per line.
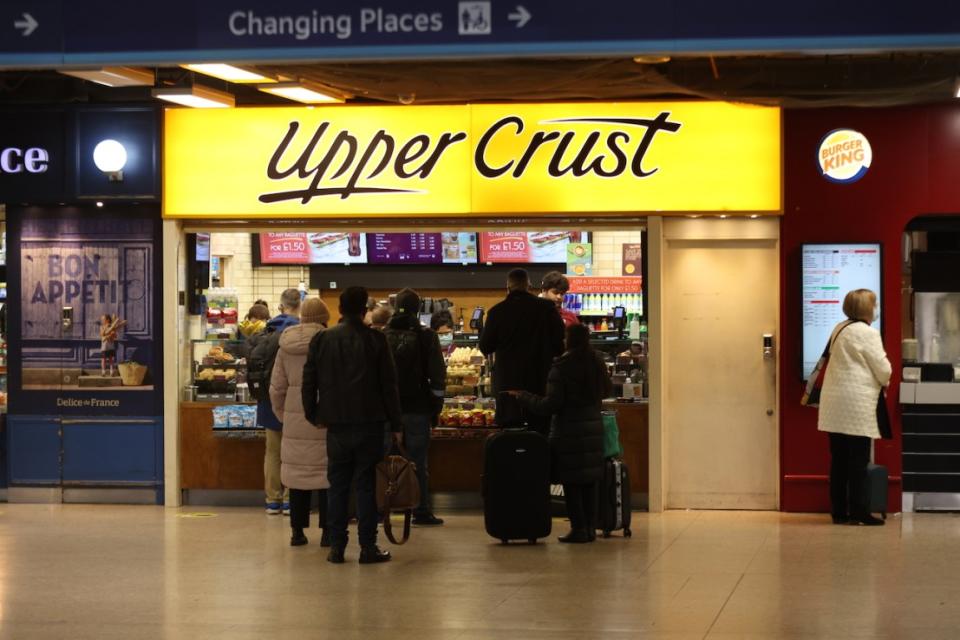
521	16
29	24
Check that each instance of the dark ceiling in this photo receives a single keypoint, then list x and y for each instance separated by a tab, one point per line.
790	81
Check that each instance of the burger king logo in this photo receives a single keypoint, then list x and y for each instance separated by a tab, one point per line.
844	156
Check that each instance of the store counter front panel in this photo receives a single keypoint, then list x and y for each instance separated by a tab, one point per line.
36	442
51	450
127	451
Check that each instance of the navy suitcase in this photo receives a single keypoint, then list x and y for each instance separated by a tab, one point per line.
614	508
878	479
516	486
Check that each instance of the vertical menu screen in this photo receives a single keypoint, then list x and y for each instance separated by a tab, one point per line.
829	272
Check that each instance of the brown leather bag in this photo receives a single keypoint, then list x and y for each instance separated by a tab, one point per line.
397	490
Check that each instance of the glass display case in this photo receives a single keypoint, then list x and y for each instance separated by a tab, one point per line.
218	369
222	314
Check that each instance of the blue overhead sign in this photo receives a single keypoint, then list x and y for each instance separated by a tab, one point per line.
86	32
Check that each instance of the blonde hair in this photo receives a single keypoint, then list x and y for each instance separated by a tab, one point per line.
860	305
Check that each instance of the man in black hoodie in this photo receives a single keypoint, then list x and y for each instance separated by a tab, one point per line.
350	387
525	334
422	380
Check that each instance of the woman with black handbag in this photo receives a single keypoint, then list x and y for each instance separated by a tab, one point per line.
852	391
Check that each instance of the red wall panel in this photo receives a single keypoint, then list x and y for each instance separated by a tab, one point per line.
915	171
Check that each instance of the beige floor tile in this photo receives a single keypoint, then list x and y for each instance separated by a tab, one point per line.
108	572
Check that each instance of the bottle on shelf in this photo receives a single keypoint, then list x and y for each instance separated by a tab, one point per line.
603	325
634	327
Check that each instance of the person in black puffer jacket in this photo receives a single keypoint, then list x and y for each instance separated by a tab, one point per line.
576	387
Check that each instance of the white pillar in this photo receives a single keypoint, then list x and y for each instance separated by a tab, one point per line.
172	246
655	329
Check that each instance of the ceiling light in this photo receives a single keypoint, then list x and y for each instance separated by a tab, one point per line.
651	59
300	92
115	76
754	216
723	217
196	96
110	157
229	73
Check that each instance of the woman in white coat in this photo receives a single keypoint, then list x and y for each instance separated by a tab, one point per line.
303	452
857	372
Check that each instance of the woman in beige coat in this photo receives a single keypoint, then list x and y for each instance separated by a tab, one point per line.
857	372
303	452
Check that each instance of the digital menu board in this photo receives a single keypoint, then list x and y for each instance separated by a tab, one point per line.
527	246
313	248
449	247
830	271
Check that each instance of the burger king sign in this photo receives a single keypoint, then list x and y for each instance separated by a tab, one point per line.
844	156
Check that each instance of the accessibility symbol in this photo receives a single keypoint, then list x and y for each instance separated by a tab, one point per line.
475	18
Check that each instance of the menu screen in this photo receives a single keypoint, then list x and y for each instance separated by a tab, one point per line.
449	247
527	246
313	248
830	271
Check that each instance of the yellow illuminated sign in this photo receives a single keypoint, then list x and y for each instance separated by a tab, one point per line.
471	159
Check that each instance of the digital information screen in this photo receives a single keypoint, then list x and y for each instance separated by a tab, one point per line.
830	271
527	246
313	248
450	247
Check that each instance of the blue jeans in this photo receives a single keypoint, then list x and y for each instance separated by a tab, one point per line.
353	451
416	439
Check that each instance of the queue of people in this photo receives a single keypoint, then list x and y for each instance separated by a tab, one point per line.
340	397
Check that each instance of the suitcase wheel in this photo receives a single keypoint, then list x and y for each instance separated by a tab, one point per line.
627	533
606	534
532	540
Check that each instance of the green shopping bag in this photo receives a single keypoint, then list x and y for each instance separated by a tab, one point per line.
611	435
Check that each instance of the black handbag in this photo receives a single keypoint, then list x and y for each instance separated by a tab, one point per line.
883	417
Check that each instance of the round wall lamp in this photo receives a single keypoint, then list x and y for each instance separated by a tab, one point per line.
110	157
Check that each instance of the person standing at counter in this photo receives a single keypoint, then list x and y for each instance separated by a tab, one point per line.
524	333
422	382
442	323
263	351
303	449
553	287
857	373
576	387
350	387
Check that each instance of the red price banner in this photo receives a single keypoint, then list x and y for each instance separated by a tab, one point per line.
599	284
504	246
284	248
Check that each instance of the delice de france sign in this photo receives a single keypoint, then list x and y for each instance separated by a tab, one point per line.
471	159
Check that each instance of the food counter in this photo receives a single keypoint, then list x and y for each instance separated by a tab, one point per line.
227	458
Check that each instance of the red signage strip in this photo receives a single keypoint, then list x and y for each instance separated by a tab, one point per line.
599	284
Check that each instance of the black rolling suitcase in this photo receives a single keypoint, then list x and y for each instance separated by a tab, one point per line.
614	509
877	481
516	486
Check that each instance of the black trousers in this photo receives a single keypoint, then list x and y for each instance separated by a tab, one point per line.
849	457
300	508
581	502
353	451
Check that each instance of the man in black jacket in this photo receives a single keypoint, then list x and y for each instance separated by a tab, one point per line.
422	381
525	334
350	387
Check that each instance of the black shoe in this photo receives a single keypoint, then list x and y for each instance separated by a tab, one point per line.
840	519
576	536
867	521
427	520
325	538
335	556
591	535
298	539
373	554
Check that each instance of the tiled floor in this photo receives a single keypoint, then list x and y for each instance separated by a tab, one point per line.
145	572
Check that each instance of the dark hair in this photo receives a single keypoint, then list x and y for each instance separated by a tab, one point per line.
555	280
263	302
441	319
578	343
258	312
353	301
518	279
